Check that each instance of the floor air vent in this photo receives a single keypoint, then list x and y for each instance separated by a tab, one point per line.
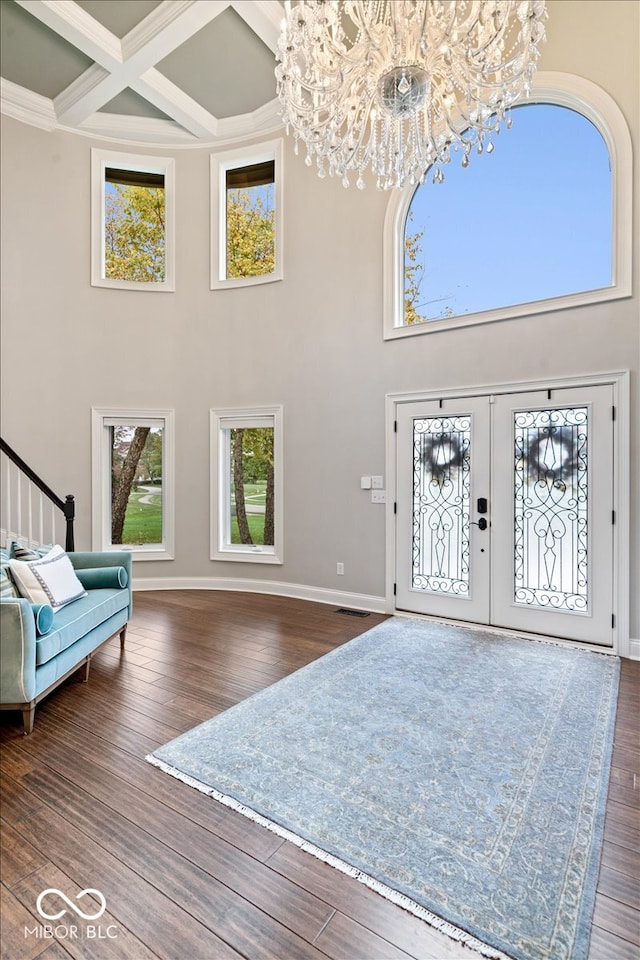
352	613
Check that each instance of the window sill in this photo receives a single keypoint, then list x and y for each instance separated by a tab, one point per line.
393	331
244	555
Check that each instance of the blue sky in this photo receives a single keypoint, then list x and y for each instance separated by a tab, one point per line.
529	221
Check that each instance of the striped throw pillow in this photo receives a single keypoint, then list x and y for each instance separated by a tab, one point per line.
7	586
18	552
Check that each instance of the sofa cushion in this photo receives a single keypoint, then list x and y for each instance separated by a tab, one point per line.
50	579
76	619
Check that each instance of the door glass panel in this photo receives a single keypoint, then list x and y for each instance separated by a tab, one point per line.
551	508
441	504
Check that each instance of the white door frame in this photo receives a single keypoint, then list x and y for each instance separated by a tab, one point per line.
619	380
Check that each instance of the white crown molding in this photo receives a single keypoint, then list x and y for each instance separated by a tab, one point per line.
299	591
37	111
265	118
26	106
128	130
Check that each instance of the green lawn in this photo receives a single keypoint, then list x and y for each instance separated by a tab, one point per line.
254	495
256	528
143	521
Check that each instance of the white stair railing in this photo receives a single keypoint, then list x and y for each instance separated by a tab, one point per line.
31	514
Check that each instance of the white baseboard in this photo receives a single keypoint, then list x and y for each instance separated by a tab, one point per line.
634	648
299	591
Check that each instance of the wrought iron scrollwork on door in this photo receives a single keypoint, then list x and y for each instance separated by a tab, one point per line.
551	508
441	504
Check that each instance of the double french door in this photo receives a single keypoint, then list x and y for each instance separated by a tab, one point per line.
504	511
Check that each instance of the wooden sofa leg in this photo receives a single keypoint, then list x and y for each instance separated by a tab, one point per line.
87	666
28	717
123	634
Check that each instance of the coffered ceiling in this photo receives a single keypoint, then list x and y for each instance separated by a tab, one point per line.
178	72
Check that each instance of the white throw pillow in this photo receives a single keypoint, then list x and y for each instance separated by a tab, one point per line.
50	580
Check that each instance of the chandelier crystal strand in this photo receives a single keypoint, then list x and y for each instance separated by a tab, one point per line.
398	85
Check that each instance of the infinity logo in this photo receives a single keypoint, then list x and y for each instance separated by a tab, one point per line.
73	906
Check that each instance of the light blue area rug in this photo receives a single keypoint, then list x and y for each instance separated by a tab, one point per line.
461	774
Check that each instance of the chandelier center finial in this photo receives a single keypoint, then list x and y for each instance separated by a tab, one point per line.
402	91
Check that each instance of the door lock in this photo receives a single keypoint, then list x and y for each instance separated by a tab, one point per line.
482	507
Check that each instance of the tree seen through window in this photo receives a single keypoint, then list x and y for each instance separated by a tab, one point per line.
134	224
136	484
250	220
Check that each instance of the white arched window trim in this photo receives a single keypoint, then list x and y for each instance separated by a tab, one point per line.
585	97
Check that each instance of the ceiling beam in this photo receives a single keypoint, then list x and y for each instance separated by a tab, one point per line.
131	63
168	27
264	17
166	96
71	22
121	64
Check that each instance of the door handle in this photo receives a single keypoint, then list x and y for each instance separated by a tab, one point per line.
481	523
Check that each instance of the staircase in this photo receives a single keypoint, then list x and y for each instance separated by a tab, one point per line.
30	512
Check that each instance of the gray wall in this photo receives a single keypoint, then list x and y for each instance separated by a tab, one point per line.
312	342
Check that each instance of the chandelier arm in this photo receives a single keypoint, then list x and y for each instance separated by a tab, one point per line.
394	22
360	19
423	29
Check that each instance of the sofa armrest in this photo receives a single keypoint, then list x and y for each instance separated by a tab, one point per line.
17	651
88	560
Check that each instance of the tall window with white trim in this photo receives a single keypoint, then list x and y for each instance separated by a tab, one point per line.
133	482
246	505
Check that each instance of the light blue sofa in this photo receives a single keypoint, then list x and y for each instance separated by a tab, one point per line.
39	648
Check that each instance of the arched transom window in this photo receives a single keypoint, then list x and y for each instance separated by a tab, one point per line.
537	225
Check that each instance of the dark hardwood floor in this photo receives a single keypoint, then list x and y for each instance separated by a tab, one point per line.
183	876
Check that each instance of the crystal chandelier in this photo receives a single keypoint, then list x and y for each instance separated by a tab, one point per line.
401	84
